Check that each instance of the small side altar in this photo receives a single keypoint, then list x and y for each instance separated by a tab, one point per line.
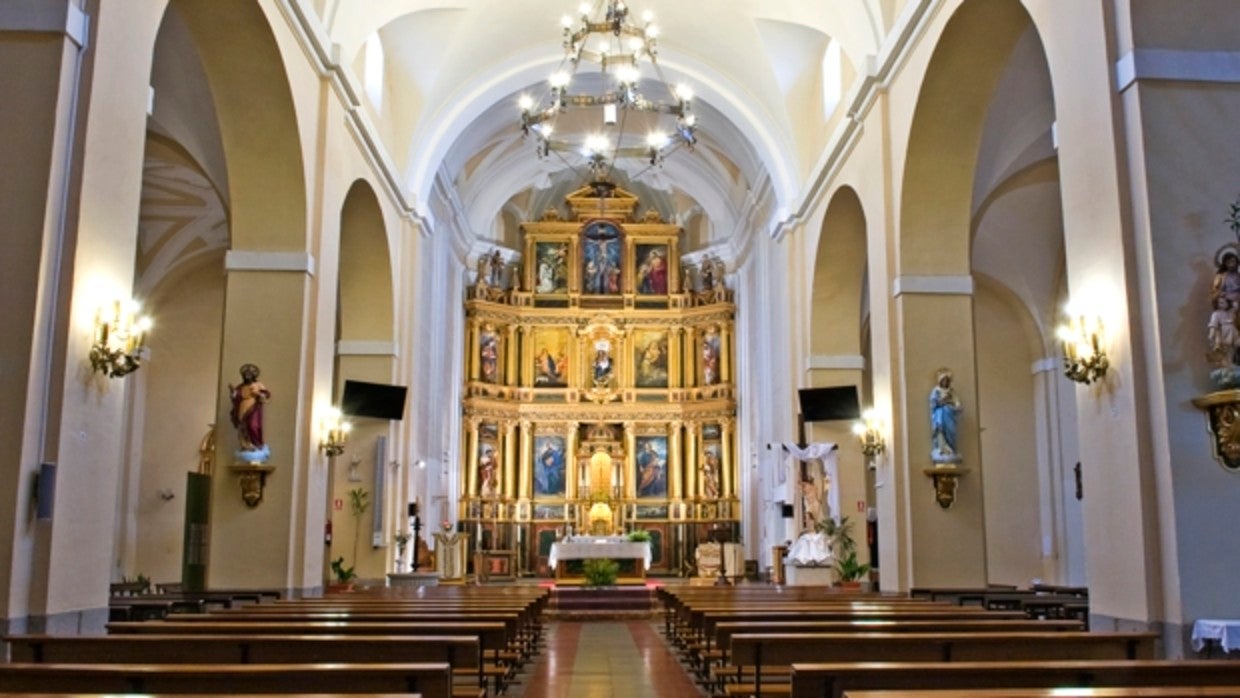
567	557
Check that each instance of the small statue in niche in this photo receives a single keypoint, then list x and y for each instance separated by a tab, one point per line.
1222	333
945	410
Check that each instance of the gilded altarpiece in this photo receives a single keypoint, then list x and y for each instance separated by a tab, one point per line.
599	392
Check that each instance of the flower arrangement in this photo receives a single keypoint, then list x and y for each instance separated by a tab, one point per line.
402	539
445	526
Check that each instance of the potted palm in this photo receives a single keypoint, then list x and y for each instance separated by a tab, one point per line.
844	550
344	576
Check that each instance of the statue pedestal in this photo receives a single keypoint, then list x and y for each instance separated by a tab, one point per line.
450	557
809	576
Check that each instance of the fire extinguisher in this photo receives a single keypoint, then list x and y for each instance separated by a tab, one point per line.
327	533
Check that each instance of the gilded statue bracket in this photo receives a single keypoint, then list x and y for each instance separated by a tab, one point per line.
1222	410
253	477
946	478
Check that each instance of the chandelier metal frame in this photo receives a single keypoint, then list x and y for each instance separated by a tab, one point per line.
619	56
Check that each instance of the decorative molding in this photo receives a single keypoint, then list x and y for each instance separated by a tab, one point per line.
1049	364
932	285
356	347
46	17
250	260
846	362
1180	66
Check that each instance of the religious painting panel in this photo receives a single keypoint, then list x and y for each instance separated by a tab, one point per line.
650	358
549	466
651	511
711	469
602	364
651	467
489	355
601	258
487	464
550	347
545	512
651	275
551	267
711	347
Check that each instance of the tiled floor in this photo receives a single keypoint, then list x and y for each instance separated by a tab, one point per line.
606	659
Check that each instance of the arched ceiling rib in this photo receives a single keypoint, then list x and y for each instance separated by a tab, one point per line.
455	68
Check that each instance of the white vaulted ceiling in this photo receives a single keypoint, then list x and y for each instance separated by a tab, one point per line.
453	71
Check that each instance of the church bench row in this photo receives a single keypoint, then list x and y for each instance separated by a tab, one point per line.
432	680
719	634
1127	692
495	638
462	653
692	625
826	680
756	654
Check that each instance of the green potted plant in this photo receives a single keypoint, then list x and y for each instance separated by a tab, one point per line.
600	572
851	571
344	575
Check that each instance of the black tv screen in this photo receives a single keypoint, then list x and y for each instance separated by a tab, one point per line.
830	404
378	400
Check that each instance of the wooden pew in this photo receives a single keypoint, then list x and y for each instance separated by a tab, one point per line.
819	680
493	637
460	652
1128	692
433	680
765	652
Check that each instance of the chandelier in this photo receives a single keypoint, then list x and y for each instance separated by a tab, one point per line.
621	49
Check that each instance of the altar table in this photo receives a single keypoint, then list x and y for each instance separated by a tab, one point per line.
1225	632
607	550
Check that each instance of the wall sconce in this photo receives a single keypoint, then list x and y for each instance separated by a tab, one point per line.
119	339
869	432
1084	359
334	433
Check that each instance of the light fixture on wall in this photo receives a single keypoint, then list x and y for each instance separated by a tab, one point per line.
119	339
620	48
1084	356
869	432
333	433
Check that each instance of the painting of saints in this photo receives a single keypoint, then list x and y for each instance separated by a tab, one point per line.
488	355
652	272
651	361
488	470
651	467
602	365
600	272
710	357
552	267
549	466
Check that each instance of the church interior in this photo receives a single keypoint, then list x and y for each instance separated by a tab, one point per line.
302	293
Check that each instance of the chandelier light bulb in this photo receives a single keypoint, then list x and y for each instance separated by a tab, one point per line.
596	144
636	44
647	16
559	79
627	75
690	120
584	9
525	102
544	130
652	31
656	139
684	93
566	22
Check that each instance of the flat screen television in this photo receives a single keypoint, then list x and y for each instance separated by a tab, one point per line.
830	404
378	400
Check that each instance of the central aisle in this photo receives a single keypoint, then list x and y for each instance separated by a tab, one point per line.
605	659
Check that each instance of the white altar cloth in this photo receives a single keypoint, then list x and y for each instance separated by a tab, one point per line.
637	550
1226	632
810	549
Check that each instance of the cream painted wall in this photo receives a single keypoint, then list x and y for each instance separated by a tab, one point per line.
182	372
1007	424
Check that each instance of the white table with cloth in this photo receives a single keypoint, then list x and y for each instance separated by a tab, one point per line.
1224	632
599	549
